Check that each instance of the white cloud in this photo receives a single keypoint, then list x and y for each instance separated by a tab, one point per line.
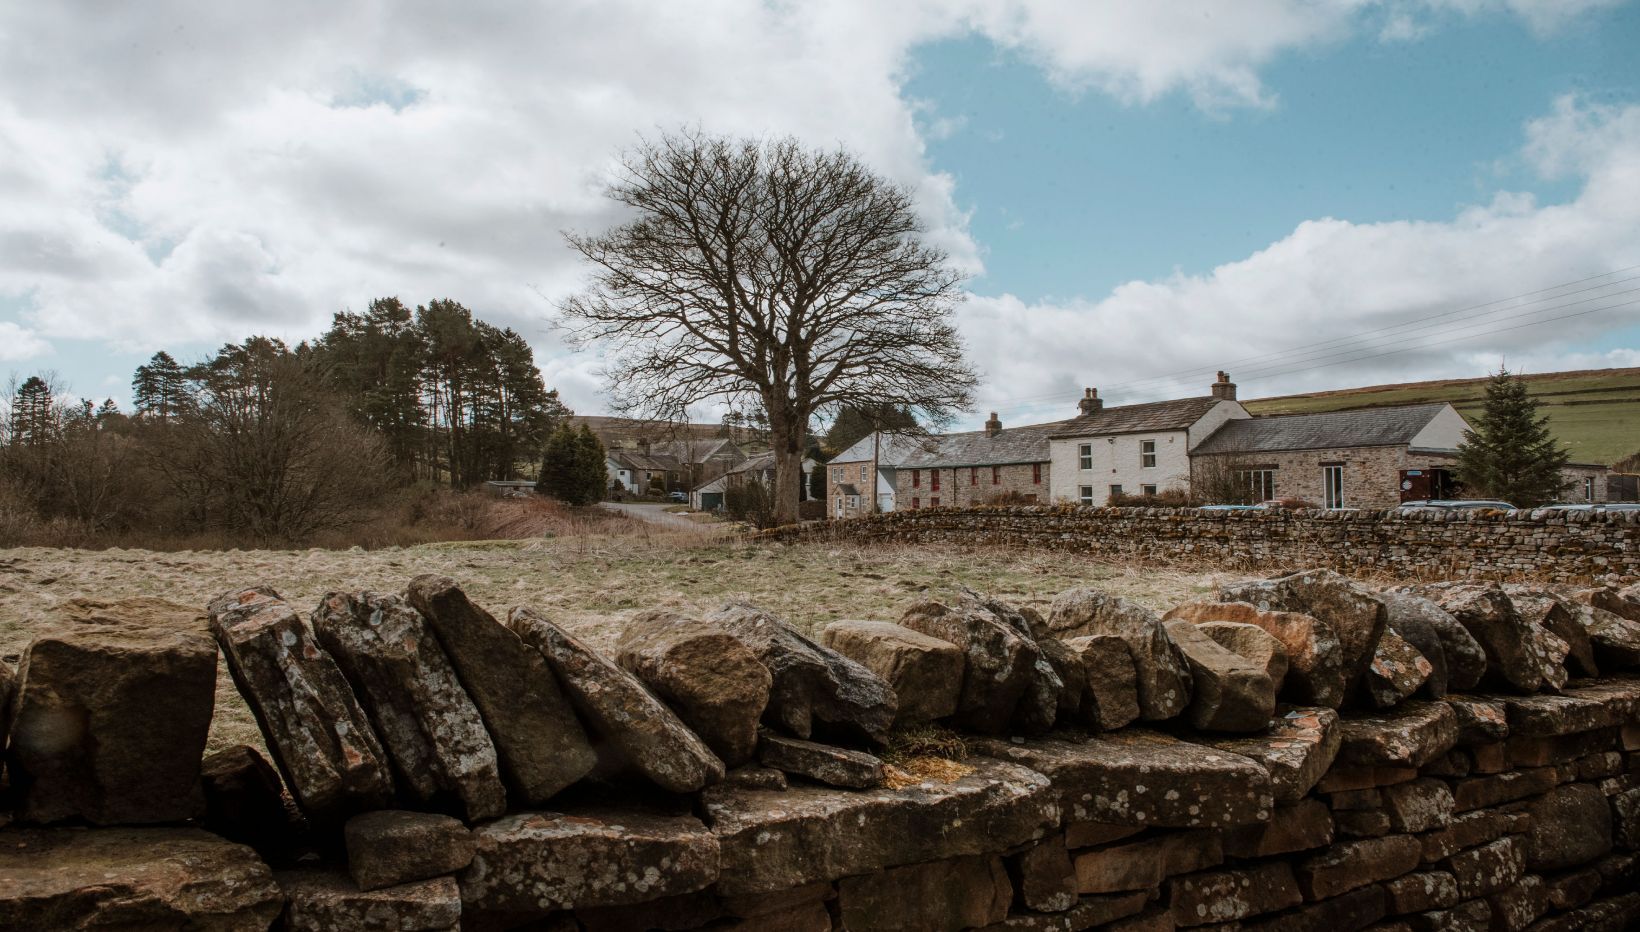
1331	279
176	172
18	343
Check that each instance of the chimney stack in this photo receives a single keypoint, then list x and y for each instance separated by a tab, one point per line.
1091	401
993	426
1224	389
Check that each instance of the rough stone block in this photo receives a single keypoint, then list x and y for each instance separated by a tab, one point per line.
1396	672
811	685
1363	823
925	672
537	862
539	743
1473	916
1229	895
390	847
1418	806
1044	876
324	901
1141	777
441	753
1347	912
709	678
1315	674
821	762
1350	864
957	893
1344	779
318	734
132	878
1112	680
1228	691
1496	789
1570	826
1517	907
1469	830
774	840
1490	867
1296	751
245	801
1143	864
1514	647
1409	736
1087	834
1303	826
1356	616
1480	719
648	736
1422	891
109	724
1163	677
1572	889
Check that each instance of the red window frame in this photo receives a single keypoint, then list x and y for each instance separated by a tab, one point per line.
1036	473
934	502
916	478
996	475
973	475
916	503
933	480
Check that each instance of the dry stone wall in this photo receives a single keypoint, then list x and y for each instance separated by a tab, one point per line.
1422	544
1303	753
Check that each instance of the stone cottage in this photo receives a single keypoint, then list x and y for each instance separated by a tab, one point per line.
1137	449
978	467
865	473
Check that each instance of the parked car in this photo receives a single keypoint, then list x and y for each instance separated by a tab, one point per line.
679	497
1460	504
1284	504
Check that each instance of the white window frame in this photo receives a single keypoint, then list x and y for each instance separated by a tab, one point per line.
1332	486
1147	454
1147	490
1588	488
1085	494
1261	482
1084	456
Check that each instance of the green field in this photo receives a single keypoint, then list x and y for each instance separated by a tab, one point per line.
1595	412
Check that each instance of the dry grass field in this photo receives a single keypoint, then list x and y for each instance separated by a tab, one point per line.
589	577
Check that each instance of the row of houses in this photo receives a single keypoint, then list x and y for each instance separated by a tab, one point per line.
1365	458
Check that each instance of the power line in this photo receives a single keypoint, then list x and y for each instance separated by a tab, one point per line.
1308	351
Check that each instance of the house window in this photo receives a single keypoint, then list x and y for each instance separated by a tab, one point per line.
837	476
934	502
996	475
1147	453
1036	473
1086	494
854	502
1147	490
916	478
916	503
1084	453
1261	482
1588	488
973	475
864	472
934	480
1115	491
1332	486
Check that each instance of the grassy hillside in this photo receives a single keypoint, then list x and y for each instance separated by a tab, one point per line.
1595	412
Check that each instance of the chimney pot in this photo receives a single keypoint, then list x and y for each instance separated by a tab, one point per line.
1091	401
1224	389
993	426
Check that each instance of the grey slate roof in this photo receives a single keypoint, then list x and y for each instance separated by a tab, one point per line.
1362	427
892	450
977	448
1178	414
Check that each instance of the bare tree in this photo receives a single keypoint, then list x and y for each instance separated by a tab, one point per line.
767	272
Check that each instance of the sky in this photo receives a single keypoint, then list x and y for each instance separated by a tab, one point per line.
1310	194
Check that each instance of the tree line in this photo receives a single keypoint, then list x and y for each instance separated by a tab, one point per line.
275	442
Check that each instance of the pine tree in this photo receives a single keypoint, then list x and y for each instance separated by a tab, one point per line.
159	389
1510	454
558	459
33	414
591	475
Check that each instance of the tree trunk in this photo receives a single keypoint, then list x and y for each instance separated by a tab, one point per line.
786	440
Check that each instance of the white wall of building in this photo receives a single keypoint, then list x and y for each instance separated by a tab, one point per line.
1118	459
1444	432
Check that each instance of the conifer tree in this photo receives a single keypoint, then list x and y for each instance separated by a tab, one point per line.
558	464
159	389
1510	453
591	475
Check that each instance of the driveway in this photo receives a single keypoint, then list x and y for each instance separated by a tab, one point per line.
653	512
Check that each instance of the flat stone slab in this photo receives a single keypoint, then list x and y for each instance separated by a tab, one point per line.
822	763
324	901
1297	750
132	878
1581	707
1142	777
537	862
773	840
1409	736
390	847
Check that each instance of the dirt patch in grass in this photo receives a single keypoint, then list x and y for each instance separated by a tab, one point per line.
589	578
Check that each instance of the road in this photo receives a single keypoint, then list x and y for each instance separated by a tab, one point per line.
654	512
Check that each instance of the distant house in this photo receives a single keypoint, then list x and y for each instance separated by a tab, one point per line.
1361	458
637	471
709	496
863	476
1139	449
978	467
